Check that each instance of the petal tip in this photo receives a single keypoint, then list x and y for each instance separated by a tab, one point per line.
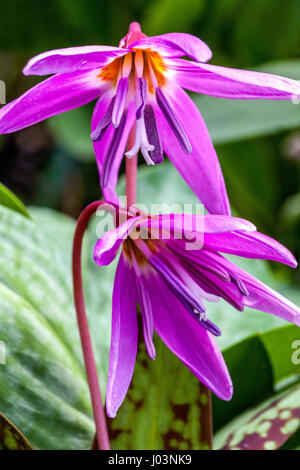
229	393
111	411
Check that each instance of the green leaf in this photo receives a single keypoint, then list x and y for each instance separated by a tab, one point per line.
8	199
246	361
281	345
266	427
233	120
43	384
10	436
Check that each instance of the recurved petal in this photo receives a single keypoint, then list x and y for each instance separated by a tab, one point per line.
102	146
186	338
107	246
249	245
72	59
176	45
124	337
201	169
263	297
226	82
206	223
52	96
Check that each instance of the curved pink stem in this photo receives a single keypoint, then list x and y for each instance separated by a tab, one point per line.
87	349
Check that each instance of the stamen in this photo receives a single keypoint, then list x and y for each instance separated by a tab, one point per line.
191	283
147	315
172	121
239	283
99	132
127	64
111	153
141	142
194	306
139	63
120	101
152	75
209	264
142	87
152	134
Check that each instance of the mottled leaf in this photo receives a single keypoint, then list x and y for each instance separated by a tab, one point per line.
258	364
163	407
266	427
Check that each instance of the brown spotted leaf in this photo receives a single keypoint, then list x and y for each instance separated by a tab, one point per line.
10	436
266	427
163	407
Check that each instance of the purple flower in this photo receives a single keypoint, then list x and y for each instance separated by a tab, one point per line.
171	284
140	84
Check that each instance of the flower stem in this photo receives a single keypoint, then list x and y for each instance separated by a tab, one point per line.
206	417
87	349
131	173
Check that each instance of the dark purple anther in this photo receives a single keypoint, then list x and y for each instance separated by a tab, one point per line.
120	101
172	121
111	152
194	306
152	134
99	132
239	283
142	96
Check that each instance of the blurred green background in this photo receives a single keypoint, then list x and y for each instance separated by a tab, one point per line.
52	165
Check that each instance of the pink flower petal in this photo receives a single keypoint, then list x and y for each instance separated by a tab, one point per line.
226	82
262	297
52	96
107	246
249	245
176	45
207	223
124	338
72	59
191	343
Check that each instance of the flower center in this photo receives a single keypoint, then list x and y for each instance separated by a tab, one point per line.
134	255
147	64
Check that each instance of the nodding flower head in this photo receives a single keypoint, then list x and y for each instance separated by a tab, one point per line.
139	87
138	77
173	287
